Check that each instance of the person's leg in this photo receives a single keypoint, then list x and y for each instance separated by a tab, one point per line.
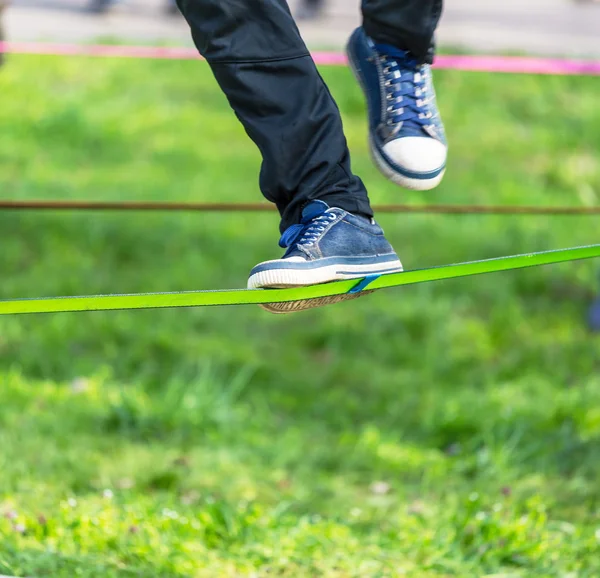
390	55
263	67
406	24
265	70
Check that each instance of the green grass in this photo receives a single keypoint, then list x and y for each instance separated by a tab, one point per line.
450	429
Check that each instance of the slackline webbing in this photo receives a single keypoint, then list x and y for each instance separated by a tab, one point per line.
262	296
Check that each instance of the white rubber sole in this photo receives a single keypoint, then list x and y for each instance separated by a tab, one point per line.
398	178
281	278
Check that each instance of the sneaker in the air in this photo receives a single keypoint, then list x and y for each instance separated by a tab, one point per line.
329	244
406	134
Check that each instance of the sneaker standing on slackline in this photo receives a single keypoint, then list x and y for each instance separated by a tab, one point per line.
262	65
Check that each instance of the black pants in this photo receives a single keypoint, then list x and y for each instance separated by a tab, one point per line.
264	68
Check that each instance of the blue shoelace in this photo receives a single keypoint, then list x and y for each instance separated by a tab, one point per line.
314	222
406	92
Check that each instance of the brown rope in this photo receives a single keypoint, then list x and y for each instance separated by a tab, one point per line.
266	207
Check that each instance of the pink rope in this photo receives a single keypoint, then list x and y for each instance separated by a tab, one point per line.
519	65
508	64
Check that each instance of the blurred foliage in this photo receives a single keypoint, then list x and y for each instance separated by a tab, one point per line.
449	429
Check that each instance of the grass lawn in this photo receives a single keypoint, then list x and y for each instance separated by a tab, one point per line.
450	429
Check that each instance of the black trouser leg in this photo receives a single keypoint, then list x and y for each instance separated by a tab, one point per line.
263	67
406	24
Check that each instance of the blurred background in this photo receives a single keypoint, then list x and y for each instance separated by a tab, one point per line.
559	27
448	429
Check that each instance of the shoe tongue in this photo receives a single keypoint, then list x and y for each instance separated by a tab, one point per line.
403	56
313	210
405	60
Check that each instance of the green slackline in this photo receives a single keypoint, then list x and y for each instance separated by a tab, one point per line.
262	296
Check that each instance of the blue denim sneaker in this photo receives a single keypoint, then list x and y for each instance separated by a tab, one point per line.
406	134
329	244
